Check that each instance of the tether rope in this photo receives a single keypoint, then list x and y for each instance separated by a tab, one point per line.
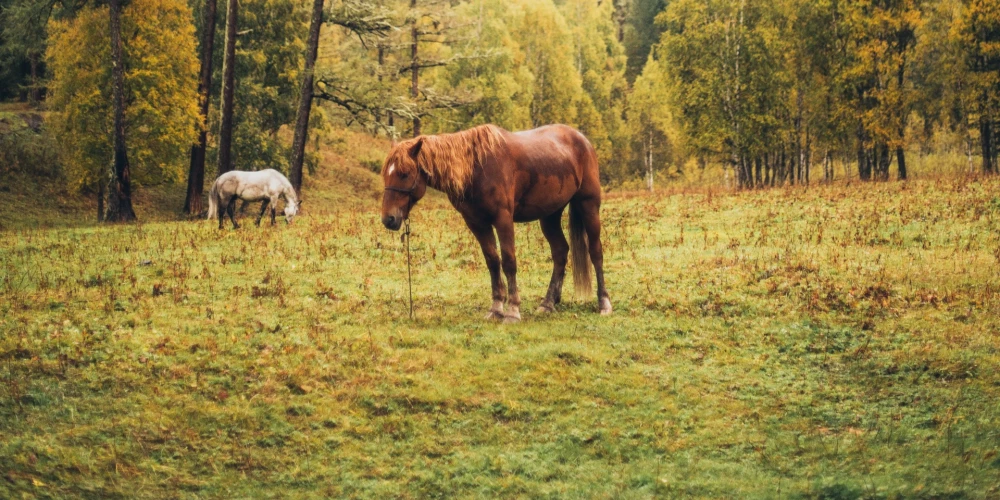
409	275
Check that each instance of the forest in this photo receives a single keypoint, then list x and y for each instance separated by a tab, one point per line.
760	93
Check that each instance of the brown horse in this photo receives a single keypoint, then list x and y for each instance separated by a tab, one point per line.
495	178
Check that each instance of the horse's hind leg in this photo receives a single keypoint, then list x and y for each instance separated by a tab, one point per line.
231	209
552	229
221	211
263	208
591	210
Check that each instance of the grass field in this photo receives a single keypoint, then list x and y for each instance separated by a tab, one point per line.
835	342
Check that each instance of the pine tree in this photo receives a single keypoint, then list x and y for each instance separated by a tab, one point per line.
305	98
225	162
196	172
161	116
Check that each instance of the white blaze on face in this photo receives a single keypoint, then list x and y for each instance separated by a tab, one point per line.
391	168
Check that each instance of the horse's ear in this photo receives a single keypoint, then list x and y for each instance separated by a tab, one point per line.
415	148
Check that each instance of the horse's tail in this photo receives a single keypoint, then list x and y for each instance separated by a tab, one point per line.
213	201
579	252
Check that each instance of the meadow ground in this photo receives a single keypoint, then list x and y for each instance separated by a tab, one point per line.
835	342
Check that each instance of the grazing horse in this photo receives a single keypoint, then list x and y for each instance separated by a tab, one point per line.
495	178
265	185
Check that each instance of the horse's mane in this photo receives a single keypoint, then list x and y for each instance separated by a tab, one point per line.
449	159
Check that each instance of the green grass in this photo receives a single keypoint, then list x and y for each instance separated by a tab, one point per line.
836	342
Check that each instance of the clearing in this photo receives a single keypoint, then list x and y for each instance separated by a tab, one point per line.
835	342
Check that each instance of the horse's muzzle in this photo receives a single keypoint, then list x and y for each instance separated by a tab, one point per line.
392	222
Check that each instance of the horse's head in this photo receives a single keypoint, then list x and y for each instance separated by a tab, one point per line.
291	209
405	183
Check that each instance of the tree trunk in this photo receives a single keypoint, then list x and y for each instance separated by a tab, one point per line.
305	99
758	180
226	129
901	162
620	16
196	171
900	154
782	166
793	157
808	155
799	104
649	162
864	167
968	152
415	74
100	201
986	143
828	167
883	159
381	64
767	169
994	149
36	88
746	172
120	190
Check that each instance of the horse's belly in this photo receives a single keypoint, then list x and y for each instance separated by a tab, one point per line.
252	193
547	195
529	214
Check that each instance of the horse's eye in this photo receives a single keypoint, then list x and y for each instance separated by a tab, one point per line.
403	175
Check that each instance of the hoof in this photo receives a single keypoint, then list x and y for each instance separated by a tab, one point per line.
496	311
605	304
497	315
544	309
513	315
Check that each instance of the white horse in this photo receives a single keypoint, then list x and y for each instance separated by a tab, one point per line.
265	185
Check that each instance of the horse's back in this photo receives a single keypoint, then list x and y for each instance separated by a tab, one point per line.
551	165
558	147
253	185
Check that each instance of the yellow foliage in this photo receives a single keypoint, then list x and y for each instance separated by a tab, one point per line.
161	72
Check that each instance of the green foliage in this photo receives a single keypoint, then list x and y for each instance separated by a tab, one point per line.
656	142
22	40
160	80
499	79
27	146
641	32
724	65
600	60
977	37
788	84
269	57
556	88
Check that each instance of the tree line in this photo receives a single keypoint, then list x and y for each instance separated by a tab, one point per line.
777	92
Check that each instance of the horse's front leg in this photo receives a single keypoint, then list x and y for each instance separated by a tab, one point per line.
263	208
488	242
505	232
274	203
222	209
